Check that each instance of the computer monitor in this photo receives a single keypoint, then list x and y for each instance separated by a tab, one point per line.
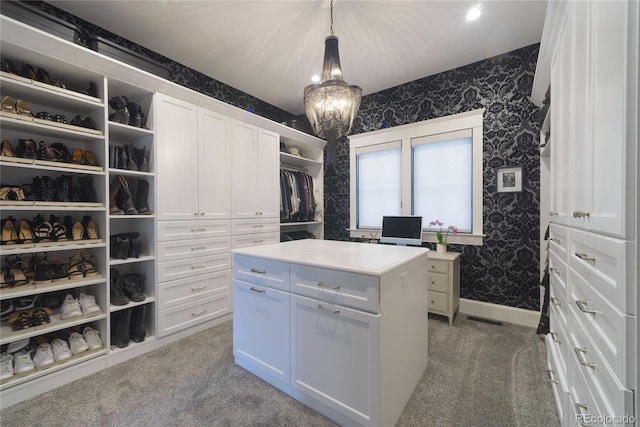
402	230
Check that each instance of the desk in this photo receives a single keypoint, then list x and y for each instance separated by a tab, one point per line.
339	326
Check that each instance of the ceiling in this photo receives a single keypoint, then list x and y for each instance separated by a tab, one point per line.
270	49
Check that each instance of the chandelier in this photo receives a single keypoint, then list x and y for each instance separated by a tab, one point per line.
332	104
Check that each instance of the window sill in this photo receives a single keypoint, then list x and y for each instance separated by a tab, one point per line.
458	239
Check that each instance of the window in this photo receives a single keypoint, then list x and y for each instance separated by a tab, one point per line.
431	169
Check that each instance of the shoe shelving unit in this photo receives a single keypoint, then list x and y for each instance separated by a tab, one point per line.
120	134
69	102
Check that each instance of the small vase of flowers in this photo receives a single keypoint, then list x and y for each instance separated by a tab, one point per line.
441	246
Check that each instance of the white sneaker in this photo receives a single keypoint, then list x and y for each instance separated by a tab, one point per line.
22	362
77	343
70	307
44	355
6	366
92	337
88	304
60	349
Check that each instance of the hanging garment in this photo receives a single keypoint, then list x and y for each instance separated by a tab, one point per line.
296	197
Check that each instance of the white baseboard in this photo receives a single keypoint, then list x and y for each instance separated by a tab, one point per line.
501	313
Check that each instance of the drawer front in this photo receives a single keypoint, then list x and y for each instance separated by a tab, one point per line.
337	287
180	269
245	240
252	226
184	316
185	249
582	406
612	331
557	378
607	264
262	272
438	282
558	271
438	266
559	240
437	302
608	394
558	336
193	289
187	230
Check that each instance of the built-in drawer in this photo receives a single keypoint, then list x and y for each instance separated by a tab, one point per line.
246	240
262	272
187	230
558	271
337	287
180	269
184	316
559	240
558	336
184	291
186	249
438	266
558	378
607	264
609	395
437	301
613	332
252	226
582	409
438	282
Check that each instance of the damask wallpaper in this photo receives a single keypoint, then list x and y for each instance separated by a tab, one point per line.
505	270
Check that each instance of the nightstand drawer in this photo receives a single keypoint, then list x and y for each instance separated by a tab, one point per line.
438	266
438	282
437	302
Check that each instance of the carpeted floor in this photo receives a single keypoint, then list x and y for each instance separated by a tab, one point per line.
478	374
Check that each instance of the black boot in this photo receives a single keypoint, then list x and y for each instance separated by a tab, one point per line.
126	198
116	285
142	157
135	245
87	193
135	111
119	246
133	287
137	331
131	157
68	226
119	104
142	192
63	188
120	328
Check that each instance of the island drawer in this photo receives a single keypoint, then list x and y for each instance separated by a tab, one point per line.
337	287
260	271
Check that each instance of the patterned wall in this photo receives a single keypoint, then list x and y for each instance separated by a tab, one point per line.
505	270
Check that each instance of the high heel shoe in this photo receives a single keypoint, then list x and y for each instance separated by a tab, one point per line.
22	109
90	228
26	232
9	235
7	105
7	149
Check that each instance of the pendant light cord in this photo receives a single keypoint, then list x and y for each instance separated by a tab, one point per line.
331	17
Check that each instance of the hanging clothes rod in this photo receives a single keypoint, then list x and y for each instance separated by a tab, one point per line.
294	169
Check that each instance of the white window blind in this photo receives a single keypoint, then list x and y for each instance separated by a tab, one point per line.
442	180
379	186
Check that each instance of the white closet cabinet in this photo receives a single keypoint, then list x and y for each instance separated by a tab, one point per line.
193	162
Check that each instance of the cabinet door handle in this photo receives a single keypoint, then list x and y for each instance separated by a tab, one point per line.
330	310
585	256
197	267
580	352
553	337
201	213
325	285
262	291
200	248
198	230
198	288
255	270
582	305
581	411
552	213
555	240
198	313
554	270
551	372
554	301
581	214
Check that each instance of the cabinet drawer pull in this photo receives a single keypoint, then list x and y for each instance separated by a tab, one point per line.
551	372
255	270
552	213
555	240
258	225
554	270
197	267
553	337
200	248
198	230
262	291
198	288
258	241
581	411
325	285
330	310
554	301
198	313
580	214
201	213
585	257
582	305
580	352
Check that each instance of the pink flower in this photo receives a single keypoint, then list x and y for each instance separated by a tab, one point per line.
442	238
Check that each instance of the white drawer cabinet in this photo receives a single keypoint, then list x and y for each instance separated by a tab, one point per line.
188	230
191	289
246	240
186	249
184	316
253	226
178	269
443	283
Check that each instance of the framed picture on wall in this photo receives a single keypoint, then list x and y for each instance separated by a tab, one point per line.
509	179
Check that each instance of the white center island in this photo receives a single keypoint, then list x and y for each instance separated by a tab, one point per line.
339	326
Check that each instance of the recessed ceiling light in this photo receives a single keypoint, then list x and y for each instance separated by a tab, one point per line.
473	13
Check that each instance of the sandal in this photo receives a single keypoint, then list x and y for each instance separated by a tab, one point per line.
77	231
7	149
91	230
25	233
20	320
9	235
7	105
36	259
89	262
40	316
90	158
11	193
22	109
42	75
76	267
26	149
59	232
77	156
42	229
13	277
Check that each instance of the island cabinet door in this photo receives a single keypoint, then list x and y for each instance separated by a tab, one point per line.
261	327
335	357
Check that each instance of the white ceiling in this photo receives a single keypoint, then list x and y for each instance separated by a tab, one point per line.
270	49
